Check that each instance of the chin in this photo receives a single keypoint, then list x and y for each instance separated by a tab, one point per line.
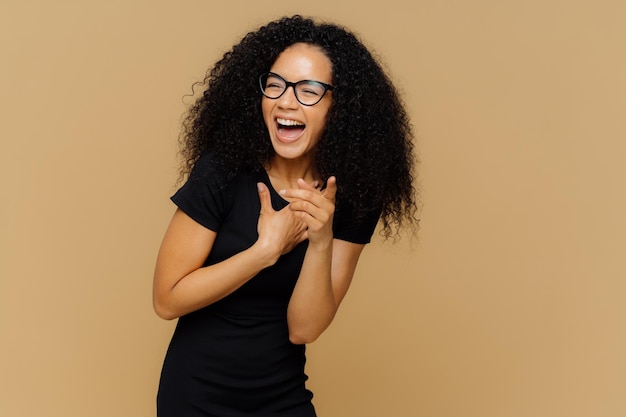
289	154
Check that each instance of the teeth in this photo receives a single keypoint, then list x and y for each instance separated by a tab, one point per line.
286	122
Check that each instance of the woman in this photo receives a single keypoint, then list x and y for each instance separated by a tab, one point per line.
295	150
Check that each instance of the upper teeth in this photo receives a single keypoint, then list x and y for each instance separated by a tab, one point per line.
286	122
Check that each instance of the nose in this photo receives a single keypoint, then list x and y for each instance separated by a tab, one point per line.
288	99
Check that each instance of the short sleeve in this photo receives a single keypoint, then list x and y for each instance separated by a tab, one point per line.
345	227
204	197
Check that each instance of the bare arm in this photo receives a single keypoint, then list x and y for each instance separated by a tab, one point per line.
181	285
328	267
322	285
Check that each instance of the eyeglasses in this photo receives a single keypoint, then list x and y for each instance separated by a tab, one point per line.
308	92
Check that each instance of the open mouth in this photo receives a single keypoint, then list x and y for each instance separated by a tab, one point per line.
289	129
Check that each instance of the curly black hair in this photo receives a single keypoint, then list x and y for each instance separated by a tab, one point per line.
367	143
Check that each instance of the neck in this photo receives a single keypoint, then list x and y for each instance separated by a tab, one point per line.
286	172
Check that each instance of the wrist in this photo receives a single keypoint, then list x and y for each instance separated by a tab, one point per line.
265	253
321	245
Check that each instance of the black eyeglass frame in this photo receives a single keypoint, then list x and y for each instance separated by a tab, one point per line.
327	87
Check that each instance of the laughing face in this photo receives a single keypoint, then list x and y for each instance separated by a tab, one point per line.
294	128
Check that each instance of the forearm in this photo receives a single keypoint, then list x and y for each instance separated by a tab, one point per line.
204	286
313	304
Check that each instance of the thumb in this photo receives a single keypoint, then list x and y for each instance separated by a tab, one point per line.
331	188
264	197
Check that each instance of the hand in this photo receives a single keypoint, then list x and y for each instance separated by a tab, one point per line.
315	208
280	231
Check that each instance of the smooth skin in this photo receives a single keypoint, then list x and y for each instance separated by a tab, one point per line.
182	285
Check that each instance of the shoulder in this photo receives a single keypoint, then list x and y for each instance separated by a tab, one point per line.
353	227
210	191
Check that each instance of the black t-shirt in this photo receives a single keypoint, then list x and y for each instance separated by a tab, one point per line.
234	356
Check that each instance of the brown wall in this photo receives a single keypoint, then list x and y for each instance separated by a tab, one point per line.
510	304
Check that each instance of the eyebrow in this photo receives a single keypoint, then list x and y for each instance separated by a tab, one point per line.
305	79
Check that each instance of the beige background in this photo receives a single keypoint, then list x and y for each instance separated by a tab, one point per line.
511	303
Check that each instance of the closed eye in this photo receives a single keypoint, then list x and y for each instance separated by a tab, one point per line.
309	91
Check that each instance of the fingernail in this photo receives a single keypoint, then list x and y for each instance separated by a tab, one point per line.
260	186
282	192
